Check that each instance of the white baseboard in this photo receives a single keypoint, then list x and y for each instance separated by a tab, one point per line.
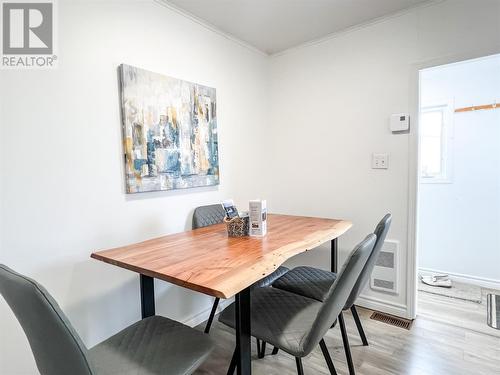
202	316
371	303
469	279
378	304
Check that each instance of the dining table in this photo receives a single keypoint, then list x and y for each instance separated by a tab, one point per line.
208	261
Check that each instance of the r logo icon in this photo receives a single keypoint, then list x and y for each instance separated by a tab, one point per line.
27	28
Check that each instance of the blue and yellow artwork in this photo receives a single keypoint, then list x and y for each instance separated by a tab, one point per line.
169	130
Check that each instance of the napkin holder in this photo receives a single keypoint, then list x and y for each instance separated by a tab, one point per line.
237	226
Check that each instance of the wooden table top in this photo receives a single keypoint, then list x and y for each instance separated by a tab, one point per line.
208	261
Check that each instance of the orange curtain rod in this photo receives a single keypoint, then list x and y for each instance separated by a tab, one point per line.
478	108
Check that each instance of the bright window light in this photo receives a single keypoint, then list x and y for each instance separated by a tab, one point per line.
434	145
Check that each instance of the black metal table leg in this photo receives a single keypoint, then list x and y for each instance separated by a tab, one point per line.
243	332
147	296
334	256
334	260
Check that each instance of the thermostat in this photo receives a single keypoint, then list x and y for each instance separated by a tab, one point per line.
400	122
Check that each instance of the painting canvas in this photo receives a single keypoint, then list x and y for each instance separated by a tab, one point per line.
169	130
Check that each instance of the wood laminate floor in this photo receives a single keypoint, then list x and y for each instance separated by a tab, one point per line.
448	337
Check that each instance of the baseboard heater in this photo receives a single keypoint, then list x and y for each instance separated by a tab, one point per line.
385	277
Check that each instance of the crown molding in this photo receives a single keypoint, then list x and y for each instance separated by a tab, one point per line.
310	43
357	27
210	26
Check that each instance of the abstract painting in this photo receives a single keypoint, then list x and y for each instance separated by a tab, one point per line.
169	130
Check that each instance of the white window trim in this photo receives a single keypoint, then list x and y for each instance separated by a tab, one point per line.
447	144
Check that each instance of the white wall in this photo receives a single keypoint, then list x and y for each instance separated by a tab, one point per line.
62	178
331	102
459	221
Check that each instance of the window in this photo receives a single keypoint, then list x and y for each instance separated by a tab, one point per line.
435	145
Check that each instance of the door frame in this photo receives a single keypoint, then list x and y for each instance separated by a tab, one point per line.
413	166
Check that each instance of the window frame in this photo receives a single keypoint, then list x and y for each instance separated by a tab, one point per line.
446	176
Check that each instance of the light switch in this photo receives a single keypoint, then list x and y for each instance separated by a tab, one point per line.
380	161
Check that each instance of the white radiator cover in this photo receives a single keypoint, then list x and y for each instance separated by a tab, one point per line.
385	275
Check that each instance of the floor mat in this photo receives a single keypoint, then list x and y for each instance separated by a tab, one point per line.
466	292
493	311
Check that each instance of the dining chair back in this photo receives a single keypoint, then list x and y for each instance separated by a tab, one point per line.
297	324
57	348
381	232
204	216
339	292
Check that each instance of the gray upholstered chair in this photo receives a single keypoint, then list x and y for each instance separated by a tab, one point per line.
155	345
204	216
315	283
296	324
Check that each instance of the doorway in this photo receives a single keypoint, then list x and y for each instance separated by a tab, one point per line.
458	221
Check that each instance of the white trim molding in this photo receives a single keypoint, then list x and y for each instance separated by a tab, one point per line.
377	304
306	44
413	164
467	279
209	26
359	26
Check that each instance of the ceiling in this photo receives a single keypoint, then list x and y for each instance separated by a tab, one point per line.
273	26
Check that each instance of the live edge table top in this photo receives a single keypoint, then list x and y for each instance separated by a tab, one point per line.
208	261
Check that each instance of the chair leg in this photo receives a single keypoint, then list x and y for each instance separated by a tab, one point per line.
300	369
232	365
358	324
327	356
275	351
212	314
257	343
262	351
347	349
